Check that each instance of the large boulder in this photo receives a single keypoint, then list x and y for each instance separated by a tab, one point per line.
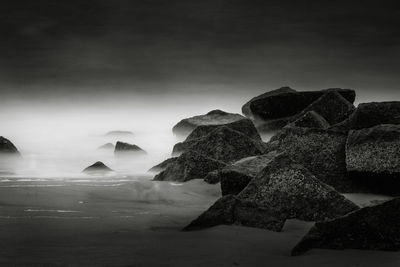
98	167
7	147
283	190
310	119
190	165
214	117
224	144
163	165
125	148
373	158
370	228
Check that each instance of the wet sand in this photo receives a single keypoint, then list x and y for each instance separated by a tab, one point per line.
135	222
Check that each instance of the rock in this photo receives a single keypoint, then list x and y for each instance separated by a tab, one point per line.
310	119
163	165
373	158
275	111
370	228
224	144
320	151
283	190
190	165
371	114
186	126
122	147
97	167
212	177
119	133
107	146
6	147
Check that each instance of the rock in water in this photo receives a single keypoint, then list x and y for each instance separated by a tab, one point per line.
121	148
97	167
186	126
119	133
373	158
372	228
190	165
310	119
224	144
6	147
163	165
283	190
107	146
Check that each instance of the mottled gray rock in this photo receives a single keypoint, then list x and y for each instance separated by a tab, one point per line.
373	158
370	228
190	165
107	146
310	119
215	117
212	177
7	147
123	148
163	165
98	167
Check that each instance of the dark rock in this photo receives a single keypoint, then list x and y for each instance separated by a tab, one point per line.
6	147
122	147
119	133
212	177
163	165
97	167
224	144
190	165
370	228
310	119
373	158
186	126
107	146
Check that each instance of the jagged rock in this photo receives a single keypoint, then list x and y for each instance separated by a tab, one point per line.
97	167
7	147
214	117
224	144
163	165
190	165
212	177
107	146
119	133
373	158
371	114
121	147
370	228
283	190
310	119
320	151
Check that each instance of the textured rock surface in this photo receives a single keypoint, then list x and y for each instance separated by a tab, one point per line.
373	157
121	147
212	177
186	126
310	119
163	165
7	147
107	146
97	167
372	228
190	165
224	144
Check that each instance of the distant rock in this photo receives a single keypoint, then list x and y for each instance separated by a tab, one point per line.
107	146
370	228
163	165
373	158
224	144
121	148
97	167
283	190
190	165
6	147
310	119
214	117
119	133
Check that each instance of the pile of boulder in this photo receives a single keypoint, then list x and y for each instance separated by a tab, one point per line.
323	146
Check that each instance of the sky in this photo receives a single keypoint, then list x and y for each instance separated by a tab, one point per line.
85	49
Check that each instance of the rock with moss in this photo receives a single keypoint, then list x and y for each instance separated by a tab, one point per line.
214	117
373	158
7	147
163	165
370	228
310	119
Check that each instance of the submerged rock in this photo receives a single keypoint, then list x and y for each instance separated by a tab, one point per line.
97	167
214	117
122	147
163	165
310	119
190	165
371	228
7	147
373	158
107	146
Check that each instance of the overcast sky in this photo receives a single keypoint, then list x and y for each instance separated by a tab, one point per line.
60	48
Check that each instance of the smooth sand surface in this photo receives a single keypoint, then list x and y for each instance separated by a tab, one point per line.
135	222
